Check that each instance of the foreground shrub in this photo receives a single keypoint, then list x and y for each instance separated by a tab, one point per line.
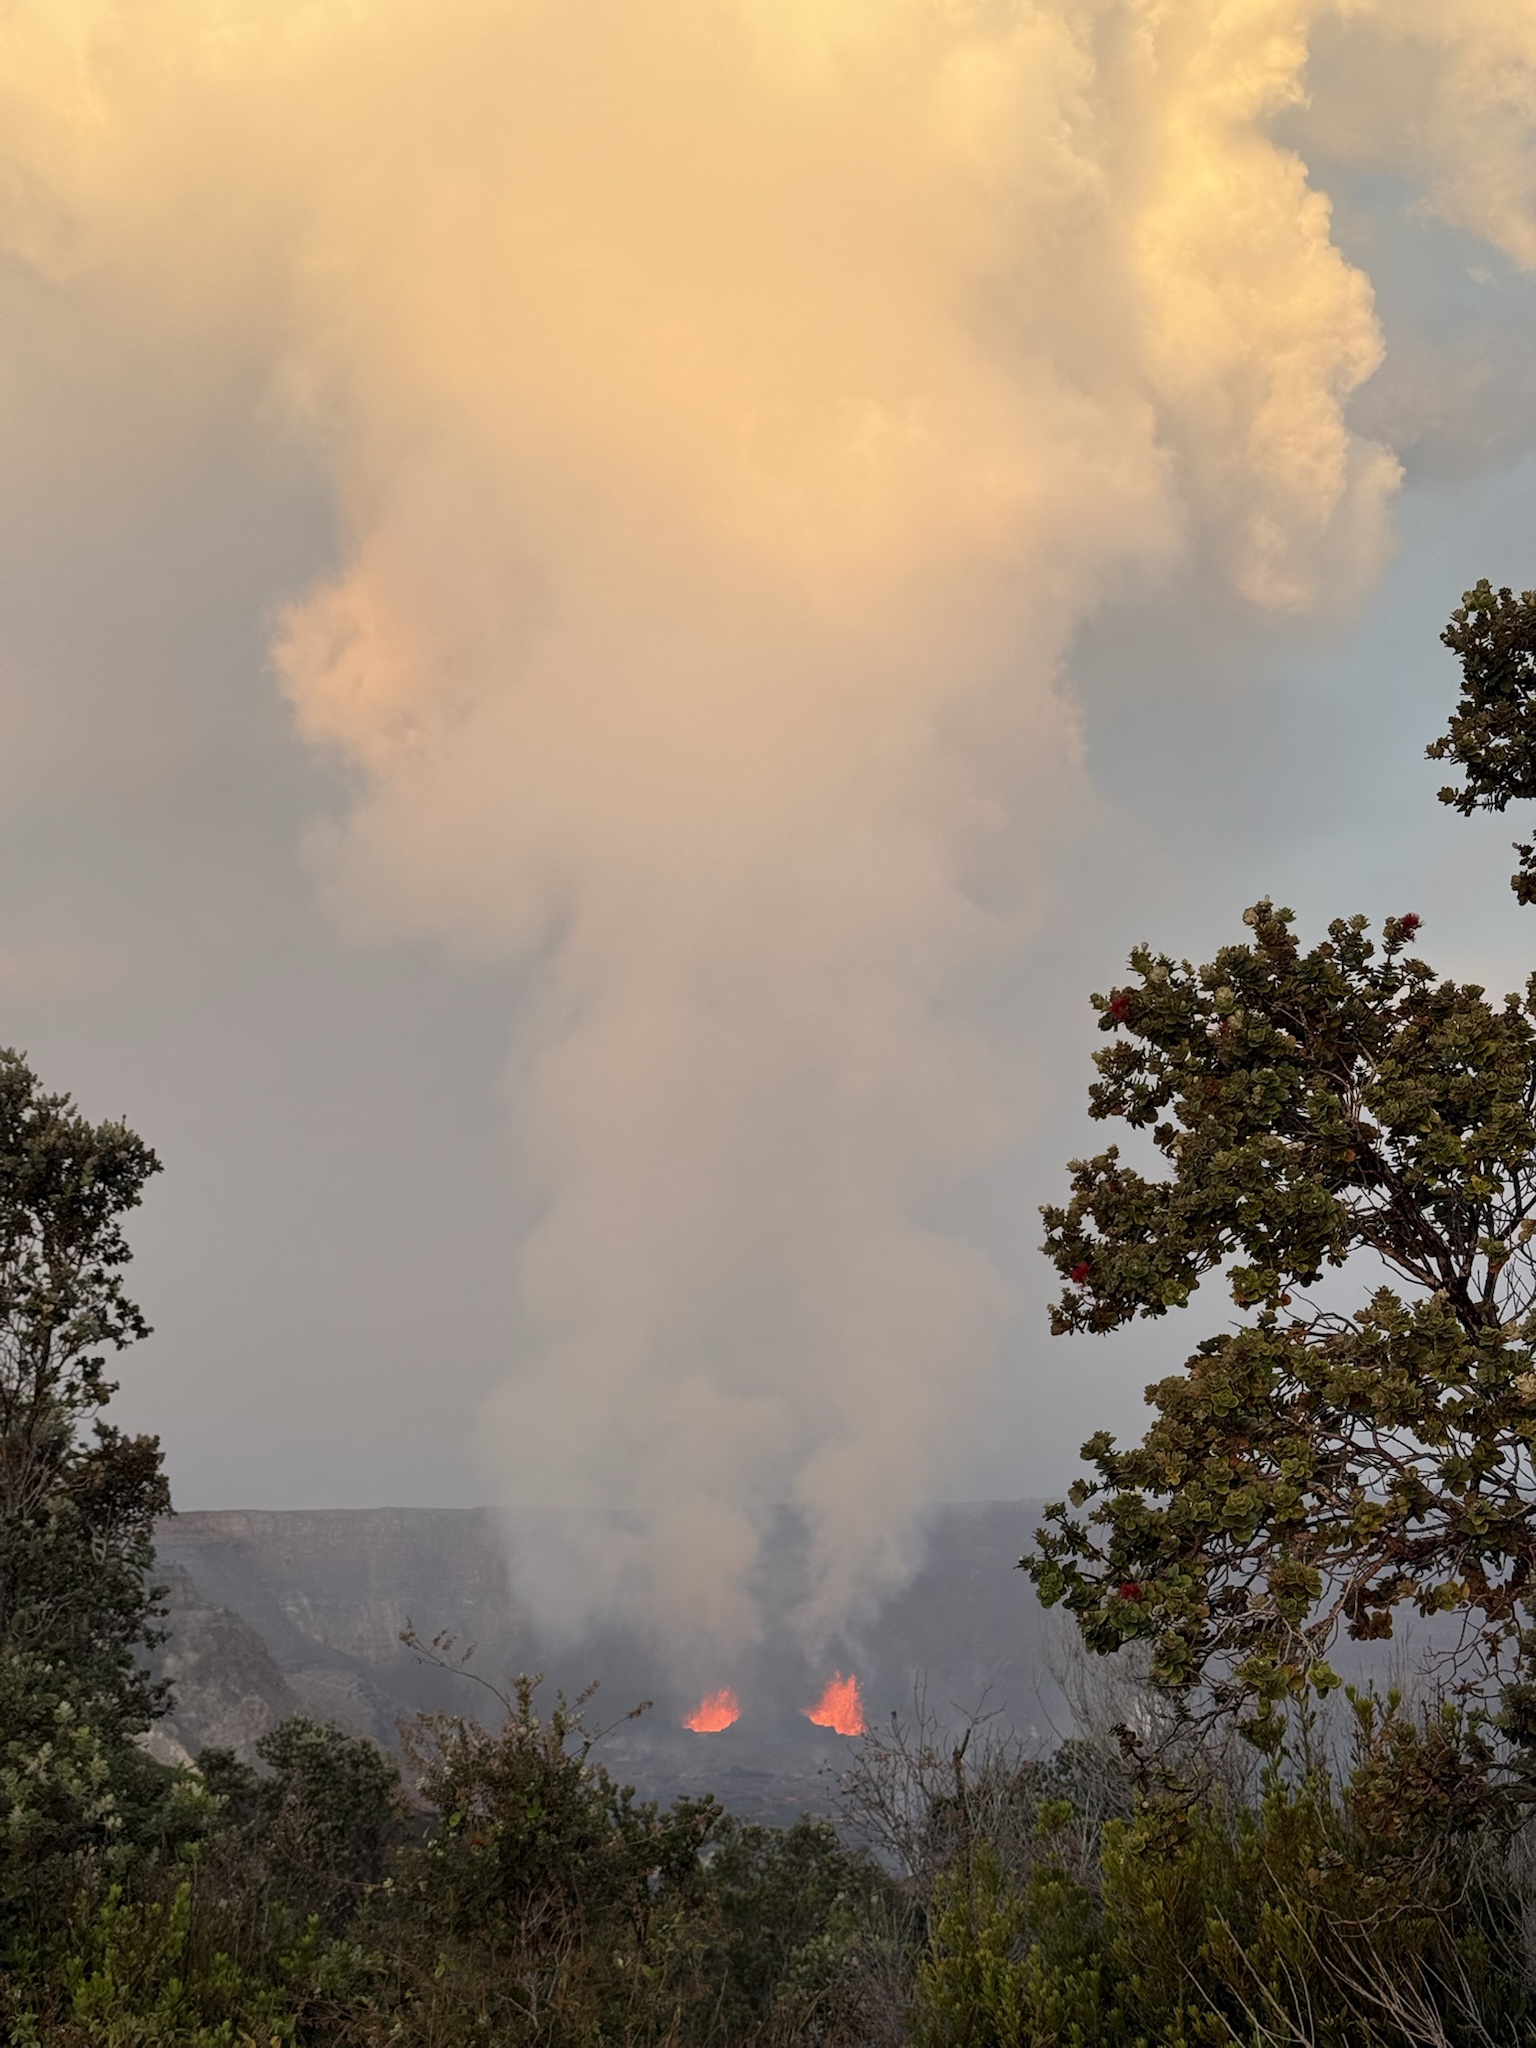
1377	1909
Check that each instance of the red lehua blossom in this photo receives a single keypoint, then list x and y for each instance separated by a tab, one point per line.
1130	1590
1409	925
1080	1272
1120	1008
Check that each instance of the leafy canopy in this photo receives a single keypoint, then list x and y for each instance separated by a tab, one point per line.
1492	733
78	1498
1313	1467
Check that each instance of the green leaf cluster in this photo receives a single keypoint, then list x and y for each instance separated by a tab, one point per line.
1492	733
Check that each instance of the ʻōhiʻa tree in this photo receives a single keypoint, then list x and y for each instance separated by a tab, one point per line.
1319	1467
78	1498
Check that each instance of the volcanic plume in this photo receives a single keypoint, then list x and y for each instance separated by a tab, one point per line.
839	1707
729	412
717	1710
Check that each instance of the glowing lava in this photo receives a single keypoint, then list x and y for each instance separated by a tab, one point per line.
715	1711
839	1707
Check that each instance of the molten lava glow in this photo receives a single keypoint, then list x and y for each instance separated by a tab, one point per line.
715	1711
839	1707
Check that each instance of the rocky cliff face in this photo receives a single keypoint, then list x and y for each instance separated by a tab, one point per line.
228	1690
303	1611
329	1592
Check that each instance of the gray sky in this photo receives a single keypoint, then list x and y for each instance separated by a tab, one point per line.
210	918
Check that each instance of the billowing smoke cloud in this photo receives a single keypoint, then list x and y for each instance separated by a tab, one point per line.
1445	96
733	409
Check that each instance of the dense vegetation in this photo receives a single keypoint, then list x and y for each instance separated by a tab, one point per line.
1227	1850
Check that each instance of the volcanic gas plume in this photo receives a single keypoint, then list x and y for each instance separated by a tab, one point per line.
731	410
715	1712
840	1707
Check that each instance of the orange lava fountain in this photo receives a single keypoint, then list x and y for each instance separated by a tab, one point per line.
839	1707
715	1711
